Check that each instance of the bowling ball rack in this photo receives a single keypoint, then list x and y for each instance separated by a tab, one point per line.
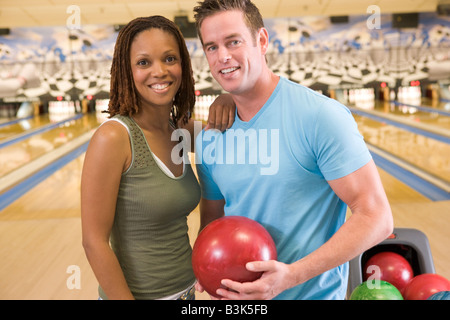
412	244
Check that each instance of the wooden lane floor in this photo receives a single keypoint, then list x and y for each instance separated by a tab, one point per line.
41	238
15	127
423	152
438	105
427	114
24	151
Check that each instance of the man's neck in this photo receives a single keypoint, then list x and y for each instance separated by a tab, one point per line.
249	103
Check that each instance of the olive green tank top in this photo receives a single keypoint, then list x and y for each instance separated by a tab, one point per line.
149	233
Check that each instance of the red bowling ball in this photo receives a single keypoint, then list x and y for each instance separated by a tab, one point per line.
393	268
425	285
223	248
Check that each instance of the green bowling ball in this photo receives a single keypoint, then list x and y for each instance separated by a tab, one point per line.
376	290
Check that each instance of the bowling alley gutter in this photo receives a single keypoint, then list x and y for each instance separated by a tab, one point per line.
16	183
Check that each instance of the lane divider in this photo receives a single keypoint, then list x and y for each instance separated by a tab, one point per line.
430	186
441	135
17	183
423	108
8	123
28	134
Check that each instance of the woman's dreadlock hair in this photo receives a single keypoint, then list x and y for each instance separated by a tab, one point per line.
124	98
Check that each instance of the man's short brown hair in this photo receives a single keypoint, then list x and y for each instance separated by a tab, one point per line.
207	8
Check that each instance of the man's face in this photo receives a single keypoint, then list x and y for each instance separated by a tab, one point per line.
234	56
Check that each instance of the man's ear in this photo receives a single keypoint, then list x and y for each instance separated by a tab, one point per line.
263	38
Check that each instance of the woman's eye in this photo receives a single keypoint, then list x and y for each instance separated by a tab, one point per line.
170	59
142	63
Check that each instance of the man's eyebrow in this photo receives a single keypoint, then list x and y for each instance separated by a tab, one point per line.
231	36
207	44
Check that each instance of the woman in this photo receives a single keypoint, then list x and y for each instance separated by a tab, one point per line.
134	197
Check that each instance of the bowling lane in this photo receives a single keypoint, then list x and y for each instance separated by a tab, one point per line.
18	154
22	126
439	105
414	116
428	154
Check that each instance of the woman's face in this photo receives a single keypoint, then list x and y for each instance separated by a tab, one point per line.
156	66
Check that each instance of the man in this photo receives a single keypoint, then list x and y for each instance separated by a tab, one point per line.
293	160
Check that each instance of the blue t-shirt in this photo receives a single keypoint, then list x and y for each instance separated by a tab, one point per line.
274	169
